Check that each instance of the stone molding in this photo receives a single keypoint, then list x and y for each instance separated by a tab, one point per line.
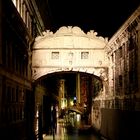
123	33
70	31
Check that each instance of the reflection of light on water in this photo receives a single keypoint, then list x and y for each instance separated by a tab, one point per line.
61	131
36	128
62	134
37	124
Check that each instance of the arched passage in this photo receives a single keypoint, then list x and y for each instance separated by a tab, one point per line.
70	50
60	88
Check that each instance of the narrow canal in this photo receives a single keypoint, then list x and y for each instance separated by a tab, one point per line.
72	134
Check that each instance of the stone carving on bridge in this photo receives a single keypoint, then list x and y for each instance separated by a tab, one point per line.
77	51
69	30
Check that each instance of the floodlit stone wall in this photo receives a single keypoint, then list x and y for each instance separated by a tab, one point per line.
121	110
124	69
69	49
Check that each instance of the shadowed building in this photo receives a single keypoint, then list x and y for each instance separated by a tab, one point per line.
20	23
104	75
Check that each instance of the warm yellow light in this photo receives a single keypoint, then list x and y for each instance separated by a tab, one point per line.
63	103
71	103
78	117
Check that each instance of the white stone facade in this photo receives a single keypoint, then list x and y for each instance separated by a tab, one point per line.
123	50
69	49
116	60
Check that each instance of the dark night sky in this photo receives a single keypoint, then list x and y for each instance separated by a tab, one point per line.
103	16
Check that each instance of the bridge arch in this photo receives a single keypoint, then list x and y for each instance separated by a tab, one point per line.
69	49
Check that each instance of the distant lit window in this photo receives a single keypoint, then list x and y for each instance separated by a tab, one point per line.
84	55
55	55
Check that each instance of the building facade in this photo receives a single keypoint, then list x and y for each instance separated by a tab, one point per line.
119	97
69	49
19	25
117	114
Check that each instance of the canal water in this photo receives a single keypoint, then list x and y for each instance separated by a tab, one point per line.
72	137
63	134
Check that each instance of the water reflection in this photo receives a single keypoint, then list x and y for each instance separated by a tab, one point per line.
83	137
63	134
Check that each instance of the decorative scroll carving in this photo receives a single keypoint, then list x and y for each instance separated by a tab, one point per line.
69	30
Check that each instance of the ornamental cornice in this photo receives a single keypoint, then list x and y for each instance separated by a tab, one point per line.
71	31
124	28
129	28
138	27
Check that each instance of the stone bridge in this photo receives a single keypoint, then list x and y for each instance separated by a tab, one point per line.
69	49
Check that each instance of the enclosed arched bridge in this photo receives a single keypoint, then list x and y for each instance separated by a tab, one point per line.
69	49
